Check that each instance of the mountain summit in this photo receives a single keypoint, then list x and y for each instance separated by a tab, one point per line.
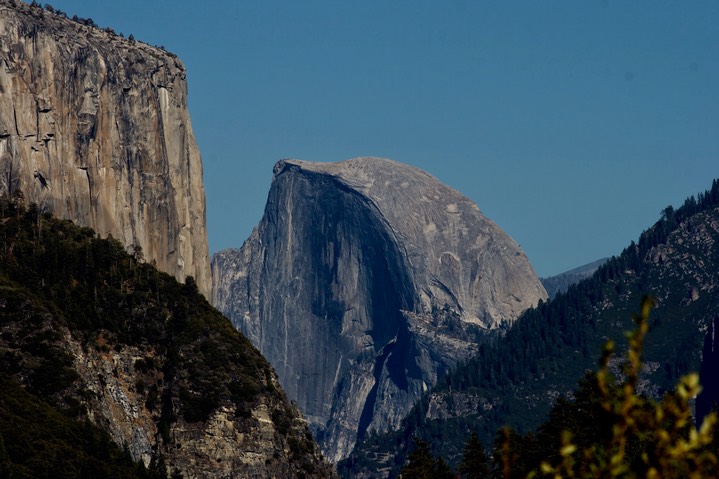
364	282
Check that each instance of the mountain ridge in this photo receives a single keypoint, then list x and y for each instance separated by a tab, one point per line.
560	282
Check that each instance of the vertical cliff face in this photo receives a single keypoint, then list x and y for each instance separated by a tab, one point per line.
364	281
95	128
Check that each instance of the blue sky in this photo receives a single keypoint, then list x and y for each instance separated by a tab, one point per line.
571	124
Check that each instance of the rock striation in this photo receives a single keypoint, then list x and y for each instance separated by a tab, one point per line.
363	283
95	128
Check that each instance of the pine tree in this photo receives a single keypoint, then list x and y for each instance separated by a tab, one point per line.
475	464
420	462
5	464
442	470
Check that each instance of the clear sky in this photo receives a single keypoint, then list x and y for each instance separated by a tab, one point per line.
570	123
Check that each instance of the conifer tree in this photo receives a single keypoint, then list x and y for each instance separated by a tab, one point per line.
442	470
475	464
4	459
420	462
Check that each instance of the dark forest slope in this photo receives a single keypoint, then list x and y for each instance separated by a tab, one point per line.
517	378
98	344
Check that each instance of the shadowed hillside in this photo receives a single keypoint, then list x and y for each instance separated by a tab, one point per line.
93	338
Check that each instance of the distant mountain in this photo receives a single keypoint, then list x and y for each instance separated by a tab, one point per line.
365	281
560	282
515	379
109	366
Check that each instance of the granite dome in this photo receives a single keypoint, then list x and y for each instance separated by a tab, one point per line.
365	280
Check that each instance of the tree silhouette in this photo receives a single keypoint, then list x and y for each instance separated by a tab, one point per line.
475	464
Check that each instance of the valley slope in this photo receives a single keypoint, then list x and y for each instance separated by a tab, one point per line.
97	346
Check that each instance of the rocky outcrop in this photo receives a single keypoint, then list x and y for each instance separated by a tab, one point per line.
95	128
225	445
365	281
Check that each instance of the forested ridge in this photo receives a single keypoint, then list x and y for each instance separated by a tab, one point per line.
66	292
516	378
608	429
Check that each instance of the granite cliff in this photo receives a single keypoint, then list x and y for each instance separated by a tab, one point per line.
364	282
95	128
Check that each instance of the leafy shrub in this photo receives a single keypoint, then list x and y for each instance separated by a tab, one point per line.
632	436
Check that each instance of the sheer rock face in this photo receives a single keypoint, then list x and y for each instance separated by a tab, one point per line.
95	128
364	281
